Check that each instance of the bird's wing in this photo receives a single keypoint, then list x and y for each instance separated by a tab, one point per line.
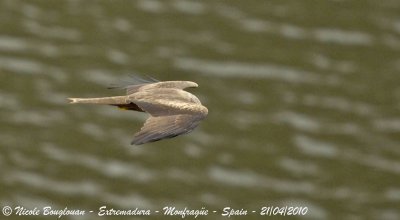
136	88
157	128
137	84
141	84
157	102
159	85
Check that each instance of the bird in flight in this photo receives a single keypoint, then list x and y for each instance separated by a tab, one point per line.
172	110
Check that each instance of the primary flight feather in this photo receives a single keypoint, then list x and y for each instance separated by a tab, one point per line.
172	110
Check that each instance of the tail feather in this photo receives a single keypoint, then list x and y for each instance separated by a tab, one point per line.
73	100
115	100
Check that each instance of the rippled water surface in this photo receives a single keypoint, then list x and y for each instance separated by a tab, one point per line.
303	96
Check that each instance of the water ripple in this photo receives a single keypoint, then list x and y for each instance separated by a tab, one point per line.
345	37
8	43
189	7
55	32
21	65
298	121
235	69
250	179
315	147
42	182
153	6
108	167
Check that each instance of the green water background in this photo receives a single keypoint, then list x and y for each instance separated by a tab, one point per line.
303	97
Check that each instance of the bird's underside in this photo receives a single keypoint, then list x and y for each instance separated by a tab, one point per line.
172	110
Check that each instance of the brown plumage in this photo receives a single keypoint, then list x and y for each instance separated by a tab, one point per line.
172	110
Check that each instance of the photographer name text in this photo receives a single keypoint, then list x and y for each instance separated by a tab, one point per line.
165	211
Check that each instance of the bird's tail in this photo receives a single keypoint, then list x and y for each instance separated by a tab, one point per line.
115	100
